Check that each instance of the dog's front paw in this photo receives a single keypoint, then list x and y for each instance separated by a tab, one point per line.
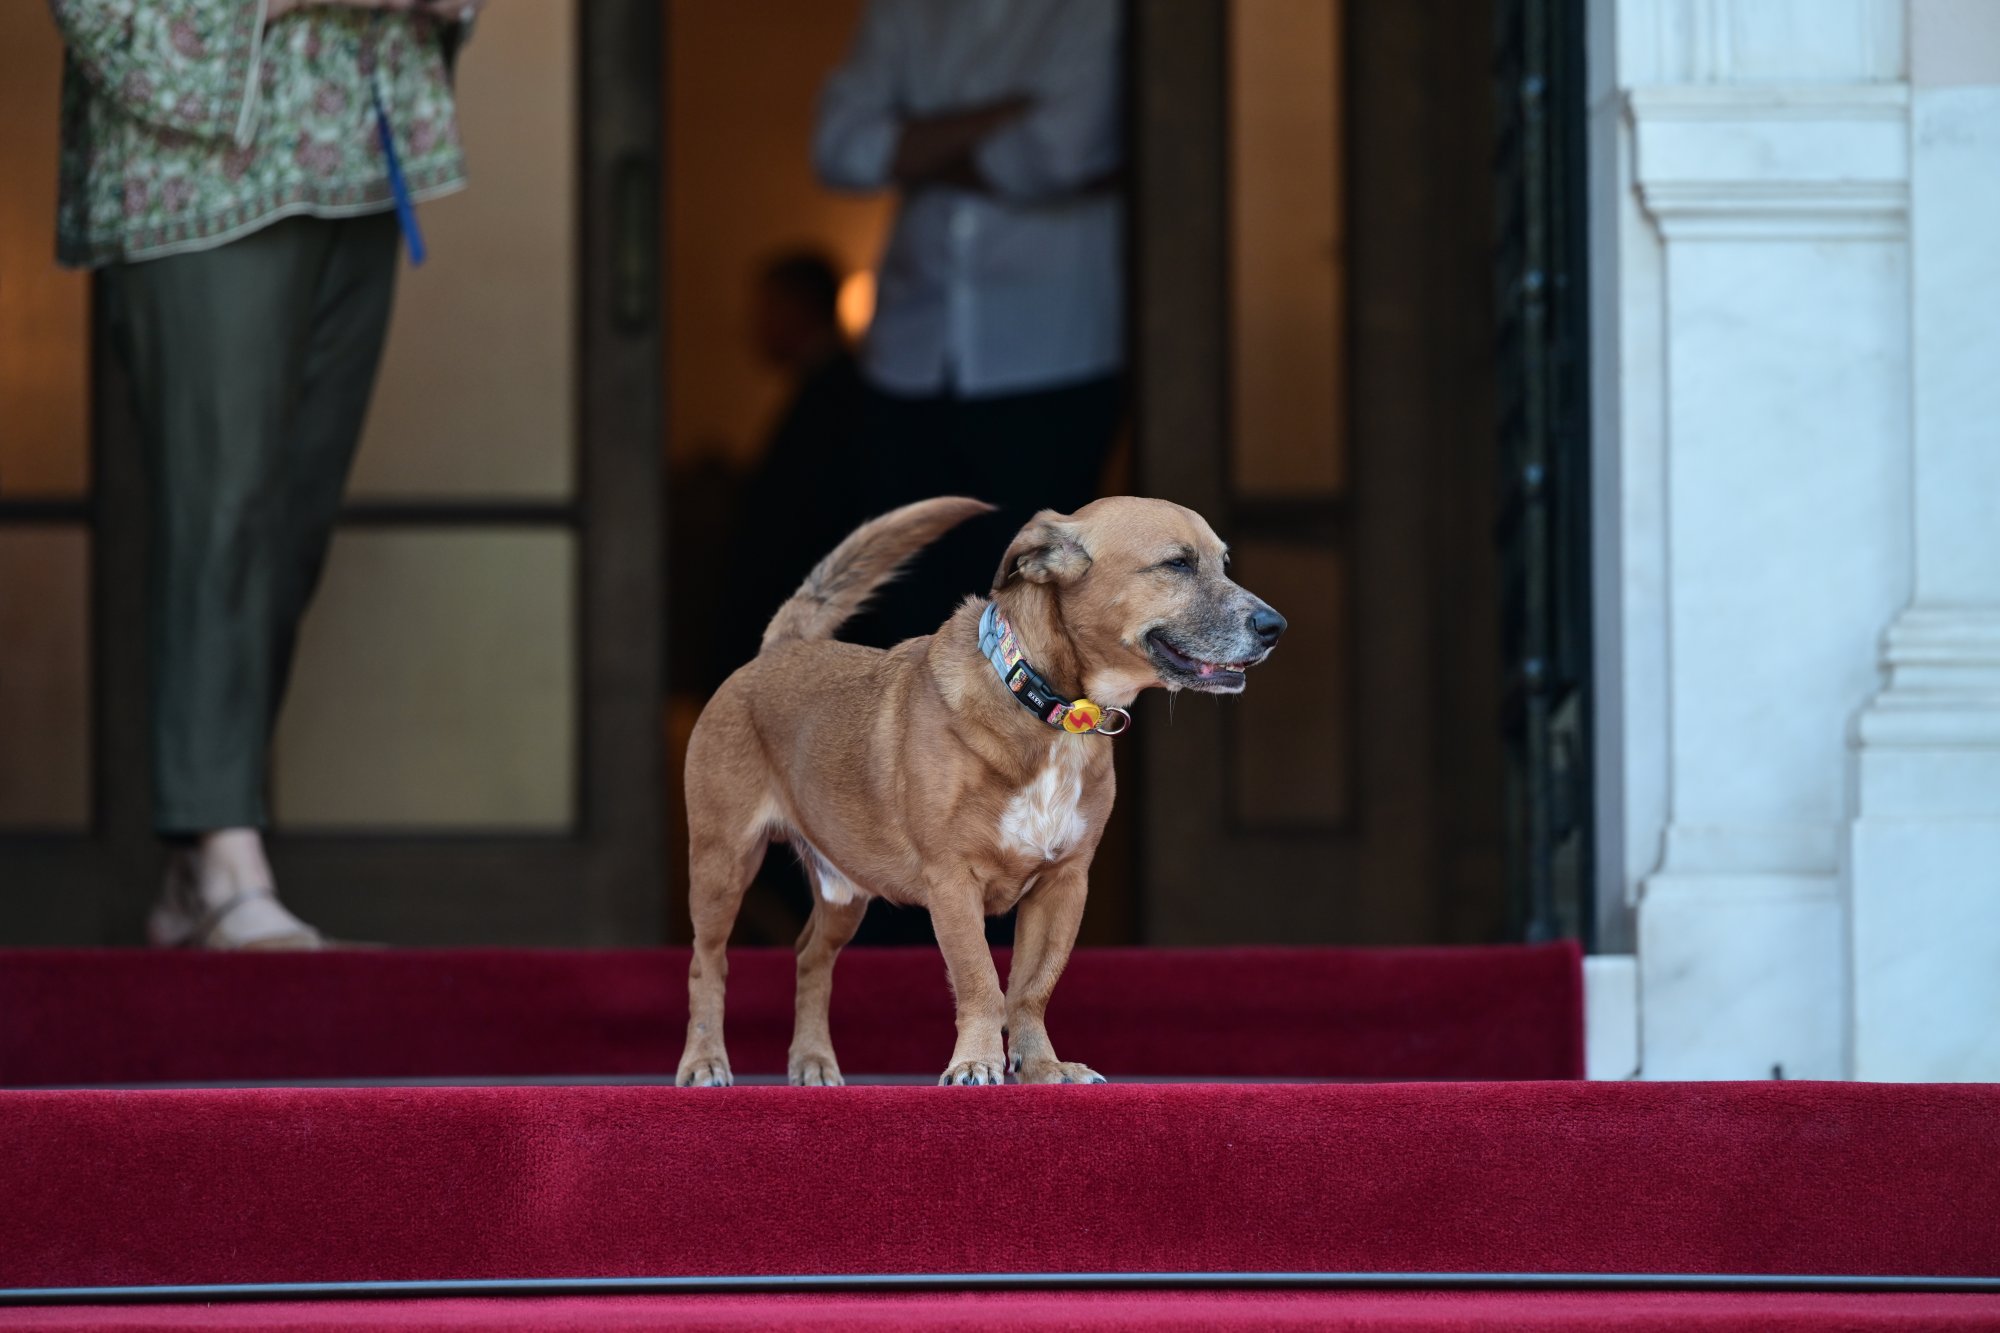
704	1071
973	1074
814	1071
1059	1071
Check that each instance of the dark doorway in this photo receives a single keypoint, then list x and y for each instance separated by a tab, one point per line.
742	196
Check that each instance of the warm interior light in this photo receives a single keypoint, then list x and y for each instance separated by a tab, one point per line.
857	302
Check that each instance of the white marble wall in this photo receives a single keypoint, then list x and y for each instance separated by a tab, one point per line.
1731	131
1765	182
1922	871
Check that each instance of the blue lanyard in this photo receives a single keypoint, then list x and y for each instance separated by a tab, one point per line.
399	186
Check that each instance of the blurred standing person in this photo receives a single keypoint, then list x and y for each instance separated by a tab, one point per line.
995	353
236	168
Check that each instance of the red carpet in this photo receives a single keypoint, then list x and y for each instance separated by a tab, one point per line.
133	1016
383	1184
268	1185
1177	1312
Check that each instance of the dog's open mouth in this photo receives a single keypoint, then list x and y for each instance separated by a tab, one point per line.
1186	669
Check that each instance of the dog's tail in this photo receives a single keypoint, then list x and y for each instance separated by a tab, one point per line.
873	553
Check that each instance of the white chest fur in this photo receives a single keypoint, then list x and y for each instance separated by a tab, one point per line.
1044	819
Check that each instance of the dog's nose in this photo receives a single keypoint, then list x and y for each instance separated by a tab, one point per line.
1267	625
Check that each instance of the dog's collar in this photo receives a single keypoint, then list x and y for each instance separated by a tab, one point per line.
1078	717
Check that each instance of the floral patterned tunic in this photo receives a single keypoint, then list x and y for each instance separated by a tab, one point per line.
188	123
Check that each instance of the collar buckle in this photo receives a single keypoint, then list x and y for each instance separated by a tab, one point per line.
1034	693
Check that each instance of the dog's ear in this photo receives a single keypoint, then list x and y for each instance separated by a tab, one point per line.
1049	550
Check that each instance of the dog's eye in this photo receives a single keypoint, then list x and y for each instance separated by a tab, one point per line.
1180	564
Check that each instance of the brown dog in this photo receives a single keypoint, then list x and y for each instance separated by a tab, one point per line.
917	775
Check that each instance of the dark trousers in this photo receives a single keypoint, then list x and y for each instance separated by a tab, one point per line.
251	365
1023	452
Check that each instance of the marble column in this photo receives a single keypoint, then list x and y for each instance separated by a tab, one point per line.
1922	868
1750	271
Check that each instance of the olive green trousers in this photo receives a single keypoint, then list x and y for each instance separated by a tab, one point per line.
251	366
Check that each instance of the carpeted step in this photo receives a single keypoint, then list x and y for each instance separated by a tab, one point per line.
387	1184
134	1016
1107	1312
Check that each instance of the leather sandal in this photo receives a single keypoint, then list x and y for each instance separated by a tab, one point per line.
173	926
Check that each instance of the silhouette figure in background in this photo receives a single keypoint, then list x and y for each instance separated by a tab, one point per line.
806	491
993	360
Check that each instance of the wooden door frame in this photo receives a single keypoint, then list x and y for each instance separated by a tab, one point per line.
94	886
602	882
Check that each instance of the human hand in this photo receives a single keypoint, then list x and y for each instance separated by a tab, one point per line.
1008	109
937	150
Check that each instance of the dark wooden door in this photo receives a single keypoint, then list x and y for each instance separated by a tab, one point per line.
1313	372
471	752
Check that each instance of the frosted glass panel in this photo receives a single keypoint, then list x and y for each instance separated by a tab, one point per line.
1285	248
44	310
477	391
435	686
1291	733
44	678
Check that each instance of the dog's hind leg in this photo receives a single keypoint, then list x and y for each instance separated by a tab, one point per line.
831	926
718	875
728	830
